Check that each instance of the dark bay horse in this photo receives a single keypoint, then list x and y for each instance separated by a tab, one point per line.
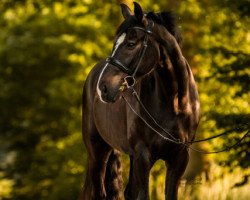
141	101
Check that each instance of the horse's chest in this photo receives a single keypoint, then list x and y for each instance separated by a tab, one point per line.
111	123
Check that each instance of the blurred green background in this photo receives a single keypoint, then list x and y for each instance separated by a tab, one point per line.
47	49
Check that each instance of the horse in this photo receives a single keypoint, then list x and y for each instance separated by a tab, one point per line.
142	101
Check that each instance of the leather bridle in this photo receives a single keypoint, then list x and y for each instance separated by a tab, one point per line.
129	80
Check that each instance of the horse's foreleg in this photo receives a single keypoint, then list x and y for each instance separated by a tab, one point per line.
142	164
113	177
175	170
130	186
94	188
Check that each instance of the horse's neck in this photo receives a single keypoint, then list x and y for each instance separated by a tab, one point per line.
159	88
166	81
162	85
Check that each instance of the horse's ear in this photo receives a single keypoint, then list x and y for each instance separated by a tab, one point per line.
126	12
138	12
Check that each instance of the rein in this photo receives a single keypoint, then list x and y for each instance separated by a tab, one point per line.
175	140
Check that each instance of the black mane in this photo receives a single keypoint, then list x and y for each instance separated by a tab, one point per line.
167	19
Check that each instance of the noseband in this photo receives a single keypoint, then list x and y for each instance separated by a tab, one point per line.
130	79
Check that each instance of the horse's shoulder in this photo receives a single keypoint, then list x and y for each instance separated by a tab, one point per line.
95	72
92	77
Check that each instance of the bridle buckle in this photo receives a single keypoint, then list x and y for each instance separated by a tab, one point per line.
129	81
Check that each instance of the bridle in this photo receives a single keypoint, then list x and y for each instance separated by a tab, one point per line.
129	80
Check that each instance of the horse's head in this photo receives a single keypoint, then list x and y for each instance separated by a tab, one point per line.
136	52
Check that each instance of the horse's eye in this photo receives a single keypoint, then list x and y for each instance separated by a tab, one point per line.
130	44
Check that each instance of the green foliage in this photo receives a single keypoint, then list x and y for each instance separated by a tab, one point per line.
225	86
47	49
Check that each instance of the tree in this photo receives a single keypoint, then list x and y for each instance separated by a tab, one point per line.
47	48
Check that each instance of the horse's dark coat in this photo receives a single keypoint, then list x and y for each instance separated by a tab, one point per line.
166	87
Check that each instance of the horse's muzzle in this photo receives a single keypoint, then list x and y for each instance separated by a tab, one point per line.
109	95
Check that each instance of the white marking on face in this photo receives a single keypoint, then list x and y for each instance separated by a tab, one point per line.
117	44
97	86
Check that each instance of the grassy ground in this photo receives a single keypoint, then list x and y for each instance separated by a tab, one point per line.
220	185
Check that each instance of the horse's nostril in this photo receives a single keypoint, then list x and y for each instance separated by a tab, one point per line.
104	89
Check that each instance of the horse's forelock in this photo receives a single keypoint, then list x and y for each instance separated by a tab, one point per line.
126	24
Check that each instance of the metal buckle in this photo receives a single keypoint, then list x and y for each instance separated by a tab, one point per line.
129	81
